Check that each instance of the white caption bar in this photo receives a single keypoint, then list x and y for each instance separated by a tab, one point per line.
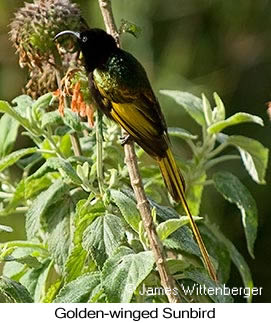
44	313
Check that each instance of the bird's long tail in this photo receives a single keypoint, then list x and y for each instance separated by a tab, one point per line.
175	184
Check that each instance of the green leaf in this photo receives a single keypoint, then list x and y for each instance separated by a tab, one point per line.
254	156
237	118
56	164
13	292
236	257
181	133
28	260
58	218
219	110
194	194
5	228
219	252
124	272
73	120
43	101
166	228
6	108
35	280
27	188
235	192
127	207
192	104
182	239
13	269
22	102
12	158
52	292
128	27
40	205
103	236
199	276
51	118
78	290
8	134
84	215
207	110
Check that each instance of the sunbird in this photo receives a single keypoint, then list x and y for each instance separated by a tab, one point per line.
120	87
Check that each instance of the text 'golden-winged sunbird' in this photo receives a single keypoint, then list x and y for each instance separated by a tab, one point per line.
120	86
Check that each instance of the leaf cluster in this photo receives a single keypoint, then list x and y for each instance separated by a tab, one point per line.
85	244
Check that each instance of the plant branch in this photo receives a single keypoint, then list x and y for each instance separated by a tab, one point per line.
142	203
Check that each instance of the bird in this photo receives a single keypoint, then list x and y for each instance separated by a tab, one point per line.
120	87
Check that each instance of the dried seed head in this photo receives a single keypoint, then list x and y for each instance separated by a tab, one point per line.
35	25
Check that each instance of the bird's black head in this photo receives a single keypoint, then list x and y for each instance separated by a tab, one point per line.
95	44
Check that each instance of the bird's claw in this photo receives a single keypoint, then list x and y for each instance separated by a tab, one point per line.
125	139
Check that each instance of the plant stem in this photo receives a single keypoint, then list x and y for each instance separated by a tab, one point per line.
167	281
99	150
211	163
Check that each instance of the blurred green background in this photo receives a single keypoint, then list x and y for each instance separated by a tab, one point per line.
196	46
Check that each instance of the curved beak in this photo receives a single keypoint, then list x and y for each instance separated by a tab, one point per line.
66	32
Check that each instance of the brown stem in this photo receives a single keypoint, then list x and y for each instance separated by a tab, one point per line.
142	203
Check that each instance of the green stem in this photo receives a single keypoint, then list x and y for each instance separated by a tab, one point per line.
24	244
217	151
99	150
211	163
192	147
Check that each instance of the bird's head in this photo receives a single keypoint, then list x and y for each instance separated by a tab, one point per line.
95	44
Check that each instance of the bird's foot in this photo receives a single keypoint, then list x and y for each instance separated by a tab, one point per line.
125	139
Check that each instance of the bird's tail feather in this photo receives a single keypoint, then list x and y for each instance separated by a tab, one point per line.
175	184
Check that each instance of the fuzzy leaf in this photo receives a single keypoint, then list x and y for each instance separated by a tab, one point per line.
192	104
103	236
73	120
236	257
78	290
14	292
237	118
127	207
199	276
51	118
207	110
254	156
41	204
35	279
28	260
181	133
124	272
15	113
12	158
166	228
58	217
27	188
8	134
194	194
219	110
43	101
52	292
85	214
182	239
55	164
235	192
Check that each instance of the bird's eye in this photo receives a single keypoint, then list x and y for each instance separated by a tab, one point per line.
84	39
